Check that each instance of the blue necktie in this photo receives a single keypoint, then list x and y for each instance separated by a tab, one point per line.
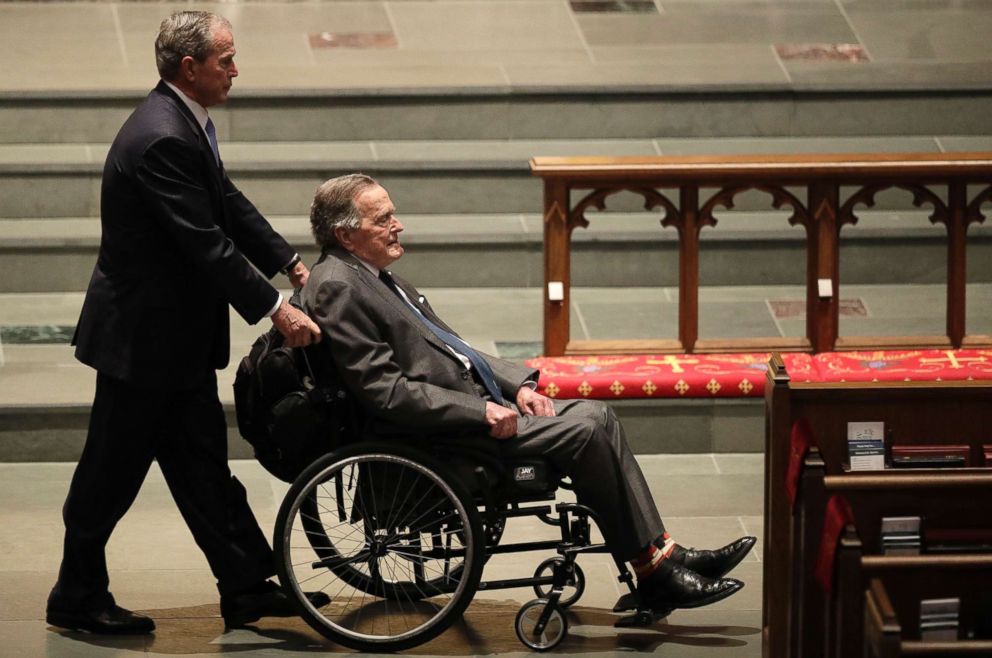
212	137
454	342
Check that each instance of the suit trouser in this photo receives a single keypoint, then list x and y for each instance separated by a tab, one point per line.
186	432
586	442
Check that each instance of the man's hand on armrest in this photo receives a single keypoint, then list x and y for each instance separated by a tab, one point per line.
298	329
502	421
532	403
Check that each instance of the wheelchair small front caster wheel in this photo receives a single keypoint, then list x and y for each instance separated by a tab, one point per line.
574	586
535	634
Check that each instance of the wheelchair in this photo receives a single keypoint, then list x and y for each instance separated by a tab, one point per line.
397	533
398	538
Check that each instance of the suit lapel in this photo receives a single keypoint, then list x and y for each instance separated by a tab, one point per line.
195	128
379	288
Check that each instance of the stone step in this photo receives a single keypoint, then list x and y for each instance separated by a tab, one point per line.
607	109
505	250
464	176
45	433
45	393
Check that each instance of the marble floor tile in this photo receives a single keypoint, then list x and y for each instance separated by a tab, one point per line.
613	6
507	25
684	22
157	569
909	32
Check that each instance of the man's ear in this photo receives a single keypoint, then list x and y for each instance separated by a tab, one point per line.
186	71
343	236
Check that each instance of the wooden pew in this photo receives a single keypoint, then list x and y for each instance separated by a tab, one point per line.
892	631
935	495
916	413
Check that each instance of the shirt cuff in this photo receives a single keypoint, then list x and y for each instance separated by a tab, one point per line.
291	264
276	307
531	384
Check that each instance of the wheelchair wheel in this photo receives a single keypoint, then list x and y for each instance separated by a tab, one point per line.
528	619
574	587
395	543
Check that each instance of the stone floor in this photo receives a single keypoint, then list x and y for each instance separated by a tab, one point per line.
521	44
707	500
447	46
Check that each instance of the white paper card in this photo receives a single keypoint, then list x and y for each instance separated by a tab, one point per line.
825	288
866	446
556	291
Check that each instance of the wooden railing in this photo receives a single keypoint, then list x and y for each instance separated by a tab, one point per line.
954	186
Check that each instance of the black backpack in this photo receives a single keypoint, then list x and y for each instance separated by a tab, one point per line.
287	415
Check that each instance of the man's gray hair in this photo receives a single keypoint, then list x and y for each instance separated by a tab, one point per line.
185	34
334	205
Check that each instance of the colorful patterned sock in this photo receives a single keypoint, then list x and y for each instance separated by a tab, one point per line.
647	562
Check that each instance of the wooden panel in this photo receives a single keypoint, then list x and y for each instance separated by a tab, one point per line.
820	212
917	413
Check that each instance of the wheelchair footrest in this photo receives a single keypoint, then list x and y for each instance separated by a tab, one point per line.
641	618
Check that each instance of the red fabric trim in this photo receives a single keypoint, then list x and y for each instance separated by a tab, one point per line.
904	365
611	377
661	376
800	441
838	515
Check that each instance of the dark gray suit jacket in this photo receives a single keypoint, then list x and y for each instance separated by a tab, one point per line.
406	379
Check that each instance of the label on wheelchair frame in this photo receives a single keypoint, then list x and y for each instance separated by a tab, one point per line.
523	473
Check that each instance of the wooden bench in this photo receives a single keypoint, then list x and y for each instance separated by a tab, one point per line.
916	413
830	616
892	629
908	579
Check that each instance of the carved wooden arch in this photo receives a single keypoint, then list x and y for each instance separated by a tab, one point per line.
974	214
866	197
597	199
780	198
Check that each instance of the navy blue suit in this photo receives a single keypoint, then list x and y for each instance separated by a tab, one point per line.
178	244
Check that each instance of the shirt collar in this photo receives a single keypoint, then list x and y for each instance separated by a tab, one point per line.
199	112
369	266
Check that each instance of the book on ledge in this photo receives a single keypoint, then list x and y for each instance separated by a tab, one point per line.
901	535
939	619
866	446
931	456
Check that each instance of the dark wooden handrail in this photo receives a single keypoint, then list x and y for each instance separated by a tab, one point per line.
704	183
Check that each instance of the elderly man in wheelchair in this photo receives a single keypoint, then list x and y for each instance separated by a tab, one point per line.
396	527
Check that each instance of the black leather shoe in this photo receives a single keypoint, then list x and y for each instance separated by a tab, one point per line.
114	620
673	586
266	600
713	564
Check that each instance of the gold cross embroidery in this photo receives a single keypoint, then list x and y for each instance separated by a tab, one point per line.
649	387
745	386
673	361
616	387
681	386
585	389
713	386
954	360
551	390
